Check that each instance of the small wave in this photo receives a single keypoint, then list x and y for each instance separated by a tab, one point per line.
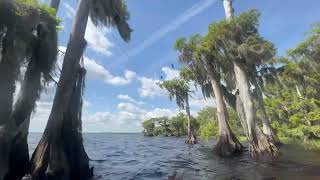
99	160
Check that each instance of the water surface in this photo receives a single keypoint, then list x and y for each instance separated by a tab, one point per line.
133	156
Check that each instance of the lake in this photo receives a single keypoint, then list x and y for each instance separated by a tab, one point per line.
133	156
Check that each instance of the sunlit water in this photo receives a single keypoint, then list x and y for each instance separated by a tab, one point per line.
133	156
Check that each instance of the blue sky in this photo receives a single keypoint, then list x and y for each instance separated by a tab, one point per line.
121	88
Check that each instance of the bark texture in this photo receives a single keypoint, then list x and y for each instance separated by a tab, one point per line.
60	154
228	8
191	139
69	160
9	70
29	93
34	45
242	116
261	148
235	103
228	144
266	128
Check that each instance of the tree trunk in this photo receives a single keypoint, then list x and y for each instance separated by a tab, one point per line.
261	148
266	128
235	103
9	70
242	117
29	93
228	8
191	139
228	144
55	4
51	159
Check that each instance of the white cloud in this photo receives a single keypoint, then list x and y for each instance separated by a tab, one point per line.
97	38
129	99
97	71
160	112
128	107
170	73
150	88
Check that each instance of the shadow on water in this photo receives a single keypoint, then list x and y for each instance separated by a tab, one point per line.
133	156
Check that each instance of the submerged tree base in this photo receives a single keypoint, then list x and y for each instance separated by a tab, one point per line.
262	149
60	154
191	140
62	159
19	159
272	137
228	146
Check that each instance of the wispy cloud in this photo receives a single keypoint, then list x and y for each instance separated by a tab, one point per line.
170	27
97	71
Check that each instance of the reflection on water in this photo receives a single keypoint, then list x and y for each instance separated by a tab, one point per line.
133	156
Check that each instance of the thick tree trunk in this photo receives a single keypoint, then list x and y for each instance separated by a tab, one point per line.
191	139
51	159
235	103
228	8
29	93
228	144
242	115
9	70
261	148
266	128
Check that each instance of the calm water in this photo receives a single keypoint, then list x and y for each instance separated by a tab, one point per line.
133	156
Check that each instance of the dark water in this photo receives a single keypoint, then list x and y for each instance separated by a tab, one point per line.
132	156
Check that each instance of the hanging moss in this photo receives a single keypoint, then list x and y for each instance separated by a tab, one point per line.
111	13
28	38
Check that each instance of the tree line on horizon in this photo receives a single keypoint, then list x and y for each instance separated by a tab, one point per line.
204	124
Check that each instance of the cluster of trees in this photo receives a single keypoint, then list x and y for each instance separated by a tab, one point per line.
28	54
174	126
205	124
292	98
237	67
224	64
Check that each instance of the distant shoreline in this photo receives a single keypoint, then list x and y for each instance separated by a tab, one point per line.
95	133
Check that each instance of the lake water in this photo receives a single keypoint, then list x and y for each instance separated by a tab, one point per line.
133	156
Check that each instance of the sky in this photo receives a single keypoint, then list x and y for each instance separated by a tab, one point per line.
121	83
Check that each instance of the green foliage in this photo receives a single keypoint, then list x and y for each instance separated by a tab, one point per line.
293	104
36	4
209	127
178	124
205	124
208	131
148	127
175	126
178	89
290	85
